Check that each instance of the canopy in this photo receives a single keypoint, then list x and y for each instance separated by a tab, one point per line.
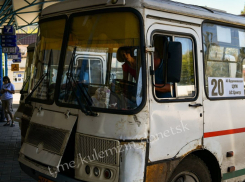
21	13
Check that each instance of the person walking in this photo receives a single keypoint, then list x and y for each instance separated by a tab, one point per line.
7	92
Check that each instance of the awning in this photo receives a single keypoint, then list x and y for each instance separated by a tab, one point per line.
21	13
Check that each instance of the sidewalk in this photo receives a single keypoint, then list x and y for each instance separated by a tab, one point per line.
9	150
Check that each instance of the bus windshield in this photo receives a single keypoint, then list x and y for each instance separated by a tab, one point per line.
103	58
46	58
27	74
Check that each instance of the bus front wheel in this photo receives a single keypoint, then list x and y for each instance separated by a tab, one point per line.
191	169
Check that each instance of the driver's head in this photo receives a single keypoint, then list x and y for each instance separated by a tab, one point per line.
126	54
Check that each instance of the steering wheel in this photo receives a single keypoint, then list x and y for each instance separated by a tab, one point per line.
128	88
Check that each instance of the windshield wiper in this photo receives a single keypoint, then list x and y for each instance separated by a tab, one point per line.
27	101
24	84
86	109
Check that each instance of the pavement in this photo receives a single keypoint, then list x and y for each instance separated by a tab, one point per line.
9	150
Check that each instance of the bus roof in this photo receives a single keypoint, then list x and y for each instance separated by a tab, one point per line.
204	13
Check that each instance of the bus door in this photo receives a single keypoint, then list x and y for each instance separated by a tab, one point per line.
176	114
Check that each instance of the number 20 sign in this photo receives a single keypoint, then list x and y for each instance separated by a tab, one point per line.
225	87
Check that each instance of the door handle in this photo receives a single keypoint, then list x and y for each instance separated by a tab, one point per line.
195	105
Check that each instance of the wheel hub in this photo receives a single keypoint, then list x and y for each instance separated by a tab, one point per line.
186	177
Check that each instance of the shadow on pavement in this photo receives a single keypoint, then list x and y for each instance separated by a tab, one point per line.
9	150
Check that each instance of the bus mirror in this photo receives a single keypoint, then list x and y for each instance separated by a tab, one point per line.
174	62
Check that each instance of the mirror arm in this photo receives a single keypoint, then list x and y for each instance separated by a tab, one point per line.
152	72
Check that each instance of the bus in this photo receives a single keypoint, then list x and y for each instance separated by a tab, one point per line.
25	86
23	108
96	93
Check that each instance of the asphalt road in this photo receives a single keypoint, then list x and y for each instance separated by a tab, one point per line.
9	150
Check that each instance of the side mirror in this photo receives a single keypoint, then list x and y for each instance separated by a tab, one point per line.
174	62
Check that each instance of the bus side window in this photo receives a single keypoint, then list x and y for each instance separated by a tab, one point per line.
89	71
243	73
186	87
160	59
96	71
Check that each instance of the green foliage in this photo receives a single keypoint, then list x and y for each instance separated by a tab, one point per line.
187	71
243	11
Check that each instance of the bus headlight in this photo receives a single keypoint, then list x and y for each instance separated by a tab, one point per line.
96	171
107	173
87	170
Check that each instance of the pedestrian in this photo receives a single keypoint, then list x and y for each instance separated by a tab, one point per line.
7	92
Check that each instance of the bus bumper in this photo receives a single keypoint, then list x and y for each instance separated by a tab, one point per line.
35	175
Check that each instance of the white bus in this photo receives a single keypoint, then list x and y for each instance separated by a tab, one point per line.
23	108
104	118
25	87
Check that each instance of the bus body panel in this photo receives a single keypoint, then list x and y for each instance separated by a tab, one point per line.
136	156
122	127
223	125
193	11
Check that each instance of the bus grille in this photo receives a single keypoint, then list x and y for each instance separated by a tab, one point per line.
90	148
53	139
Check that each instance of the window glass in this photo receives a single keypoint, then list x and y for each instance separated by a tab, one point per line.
46	58
186	87
89	70
110	64
116	68
96	71
223	57
27	73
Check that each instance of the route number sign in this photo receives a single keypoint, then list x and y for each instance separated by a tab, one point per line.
225	87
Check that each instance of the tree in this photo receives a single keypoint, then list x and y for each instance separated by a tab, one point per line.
243	11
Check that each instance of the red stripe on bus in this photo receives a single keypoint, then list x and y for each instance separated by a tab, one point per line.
224	132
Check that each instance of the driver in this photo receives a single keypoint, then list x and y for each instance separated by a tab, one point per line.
162	91
126	54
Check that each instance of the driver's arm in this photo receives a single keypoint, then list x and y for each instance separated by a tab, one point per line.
164	89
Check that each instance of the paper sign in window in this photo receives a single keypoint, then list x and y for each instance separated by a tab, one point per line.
241	39
216	53
223	34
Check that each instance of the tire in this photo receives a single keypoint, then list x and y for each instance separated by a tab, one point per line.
191	169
